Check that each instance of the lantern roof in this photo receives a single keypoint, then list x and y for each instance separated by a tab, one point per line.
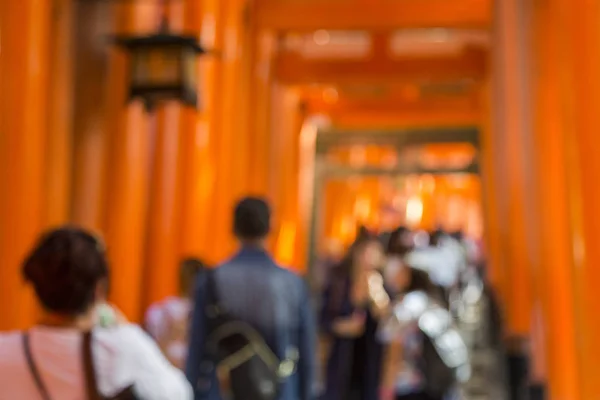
159	39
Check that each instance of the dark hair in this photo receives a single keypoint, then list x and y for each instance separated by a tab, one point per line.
395	245
252	219
420	281
458	235
363	233
65	268
189	268
436	236
345	267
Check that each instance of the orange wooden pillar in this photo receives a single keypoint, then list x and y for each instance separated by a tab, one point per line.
256	90
307	162
231	146
284	153
538	60
60	108
200	137
128	178
171	122
265	45
25	51
554	278
239	98
336	200
514	168
494	214
341	203
561	59
579	41
221	241
98	74
163	216
184	165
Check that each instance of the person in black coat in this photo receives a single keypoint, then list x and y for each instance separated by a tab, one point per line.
349	319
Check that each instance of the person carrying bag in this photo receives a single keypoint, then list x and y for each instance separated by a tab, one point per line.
80	349
247	367
253	333
91	384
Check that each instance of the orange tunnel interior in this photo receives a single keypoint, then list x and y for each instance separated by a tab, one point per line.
280	78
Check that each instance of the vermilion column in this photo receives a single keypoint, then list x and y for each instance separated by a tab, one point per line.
578	39
199	138
513	167
284	154
240	34
557	323
94	78
333	192
127	189
260	118
164	206
25	45
232	145
172	123
60	107
554	278
491	183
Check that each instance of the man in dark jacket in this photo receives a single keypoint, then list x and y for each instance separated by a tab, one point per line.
273	300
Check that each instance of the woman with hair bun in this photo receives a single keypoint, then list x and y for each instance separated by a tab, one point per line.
80	348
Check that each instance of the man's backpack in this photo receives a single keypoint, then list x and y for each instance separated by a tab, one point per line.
246	367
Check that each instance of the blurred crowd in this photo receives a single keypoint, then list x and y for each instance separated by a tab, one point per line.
388	312
385	325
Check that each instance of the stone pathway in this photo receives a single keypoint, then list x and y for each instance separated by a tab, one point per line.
488	376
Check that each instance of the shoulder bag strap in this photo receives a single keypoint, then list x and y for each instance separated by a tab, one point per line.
214	309
212	291
33	368
88	368
213	312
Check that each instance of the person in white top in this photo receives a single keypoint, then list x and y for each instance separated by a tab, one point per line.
69	272
444	262
167	321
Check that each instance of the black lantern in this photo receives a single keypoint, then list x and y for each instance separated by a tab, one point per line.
163	67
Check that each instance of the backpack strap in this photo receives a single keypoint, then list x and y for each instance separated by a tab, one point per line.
214	309
212	291
33	368
91	384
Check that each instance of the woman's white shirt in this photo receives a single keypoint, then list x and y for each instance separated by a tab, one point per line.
123	356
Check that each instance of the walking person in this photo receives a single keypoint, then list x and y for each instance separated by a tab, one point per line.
349	320
69	354
168	320
416	367
266	311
